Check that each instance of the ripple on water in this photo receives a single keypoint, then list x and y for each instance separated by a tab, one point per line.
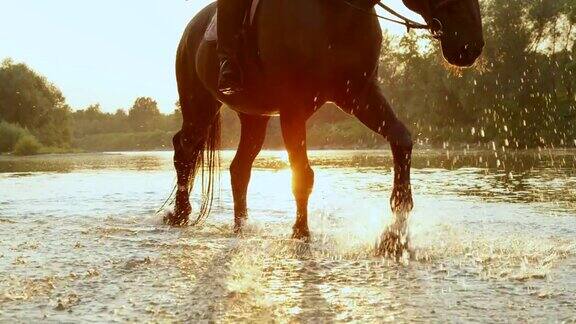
89	249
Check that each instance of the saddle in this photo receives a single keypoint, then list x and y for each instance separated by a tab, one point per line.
211	34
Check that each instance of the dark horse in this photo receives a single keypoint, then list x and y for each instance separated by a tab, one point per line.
298	55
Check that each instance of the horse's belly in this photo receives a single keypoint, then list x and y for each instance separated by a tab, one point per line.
252	110
256	99
248	103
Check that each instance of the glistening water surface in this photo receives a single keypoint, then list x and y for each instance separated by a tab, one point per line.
494	234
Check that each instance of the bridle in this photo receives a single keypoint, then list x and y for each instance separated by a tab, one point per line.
433	24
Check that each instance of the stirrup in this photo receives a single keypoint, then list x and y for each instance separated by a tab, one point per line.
230	78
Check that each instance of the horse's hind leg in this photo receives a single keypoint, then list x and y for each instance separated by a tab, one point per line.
253	132
199	112
183	165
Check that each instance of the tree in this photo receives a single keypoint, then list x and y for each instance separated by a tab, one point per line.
29	100
144	114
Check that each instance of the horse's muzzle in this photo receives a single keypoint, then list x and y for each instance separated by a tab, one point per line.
466	55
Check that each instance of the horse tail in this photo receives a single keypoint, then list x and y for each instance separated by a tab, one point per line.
206	161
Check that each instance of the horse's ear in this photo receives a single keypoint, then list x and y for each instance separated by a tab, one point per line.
420	6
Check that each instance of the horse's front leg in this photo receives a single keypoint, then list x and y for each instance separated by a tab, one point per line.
372	109
294	134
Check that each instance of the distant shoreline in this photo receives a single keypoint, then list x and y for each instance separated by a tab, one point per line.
417	150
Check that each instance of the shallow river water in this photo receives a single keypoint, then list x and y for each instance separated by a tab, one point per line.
494	235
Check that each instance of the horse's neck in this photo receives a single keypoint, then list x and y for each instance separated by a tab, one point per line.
367	4
352	17
294	17
359	5
312	30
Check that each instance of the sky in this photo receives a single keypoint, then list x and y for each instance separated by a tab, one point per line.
107	51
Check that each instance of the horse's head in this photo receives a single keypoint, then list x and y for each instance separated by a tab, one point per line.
458	26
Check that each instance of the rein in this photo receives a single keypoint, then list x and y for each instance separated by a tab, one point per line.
409	23
434	26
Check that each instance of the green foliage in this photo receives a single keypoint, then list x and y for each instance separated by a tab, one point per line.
521	93
144	114
27	145
154	140
9	135
332	128
95	130
29	100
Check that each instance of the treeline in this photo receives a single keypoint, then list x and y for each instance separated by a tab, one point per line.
521	94
141	127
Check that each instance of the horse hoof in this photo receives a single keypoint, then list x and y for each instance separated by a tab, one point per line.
172	219
392	245
239	225
301	234
168	216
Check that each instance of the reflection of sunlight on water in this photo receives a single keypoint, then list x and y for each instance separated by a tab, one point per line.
348	232
283	156
519	256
